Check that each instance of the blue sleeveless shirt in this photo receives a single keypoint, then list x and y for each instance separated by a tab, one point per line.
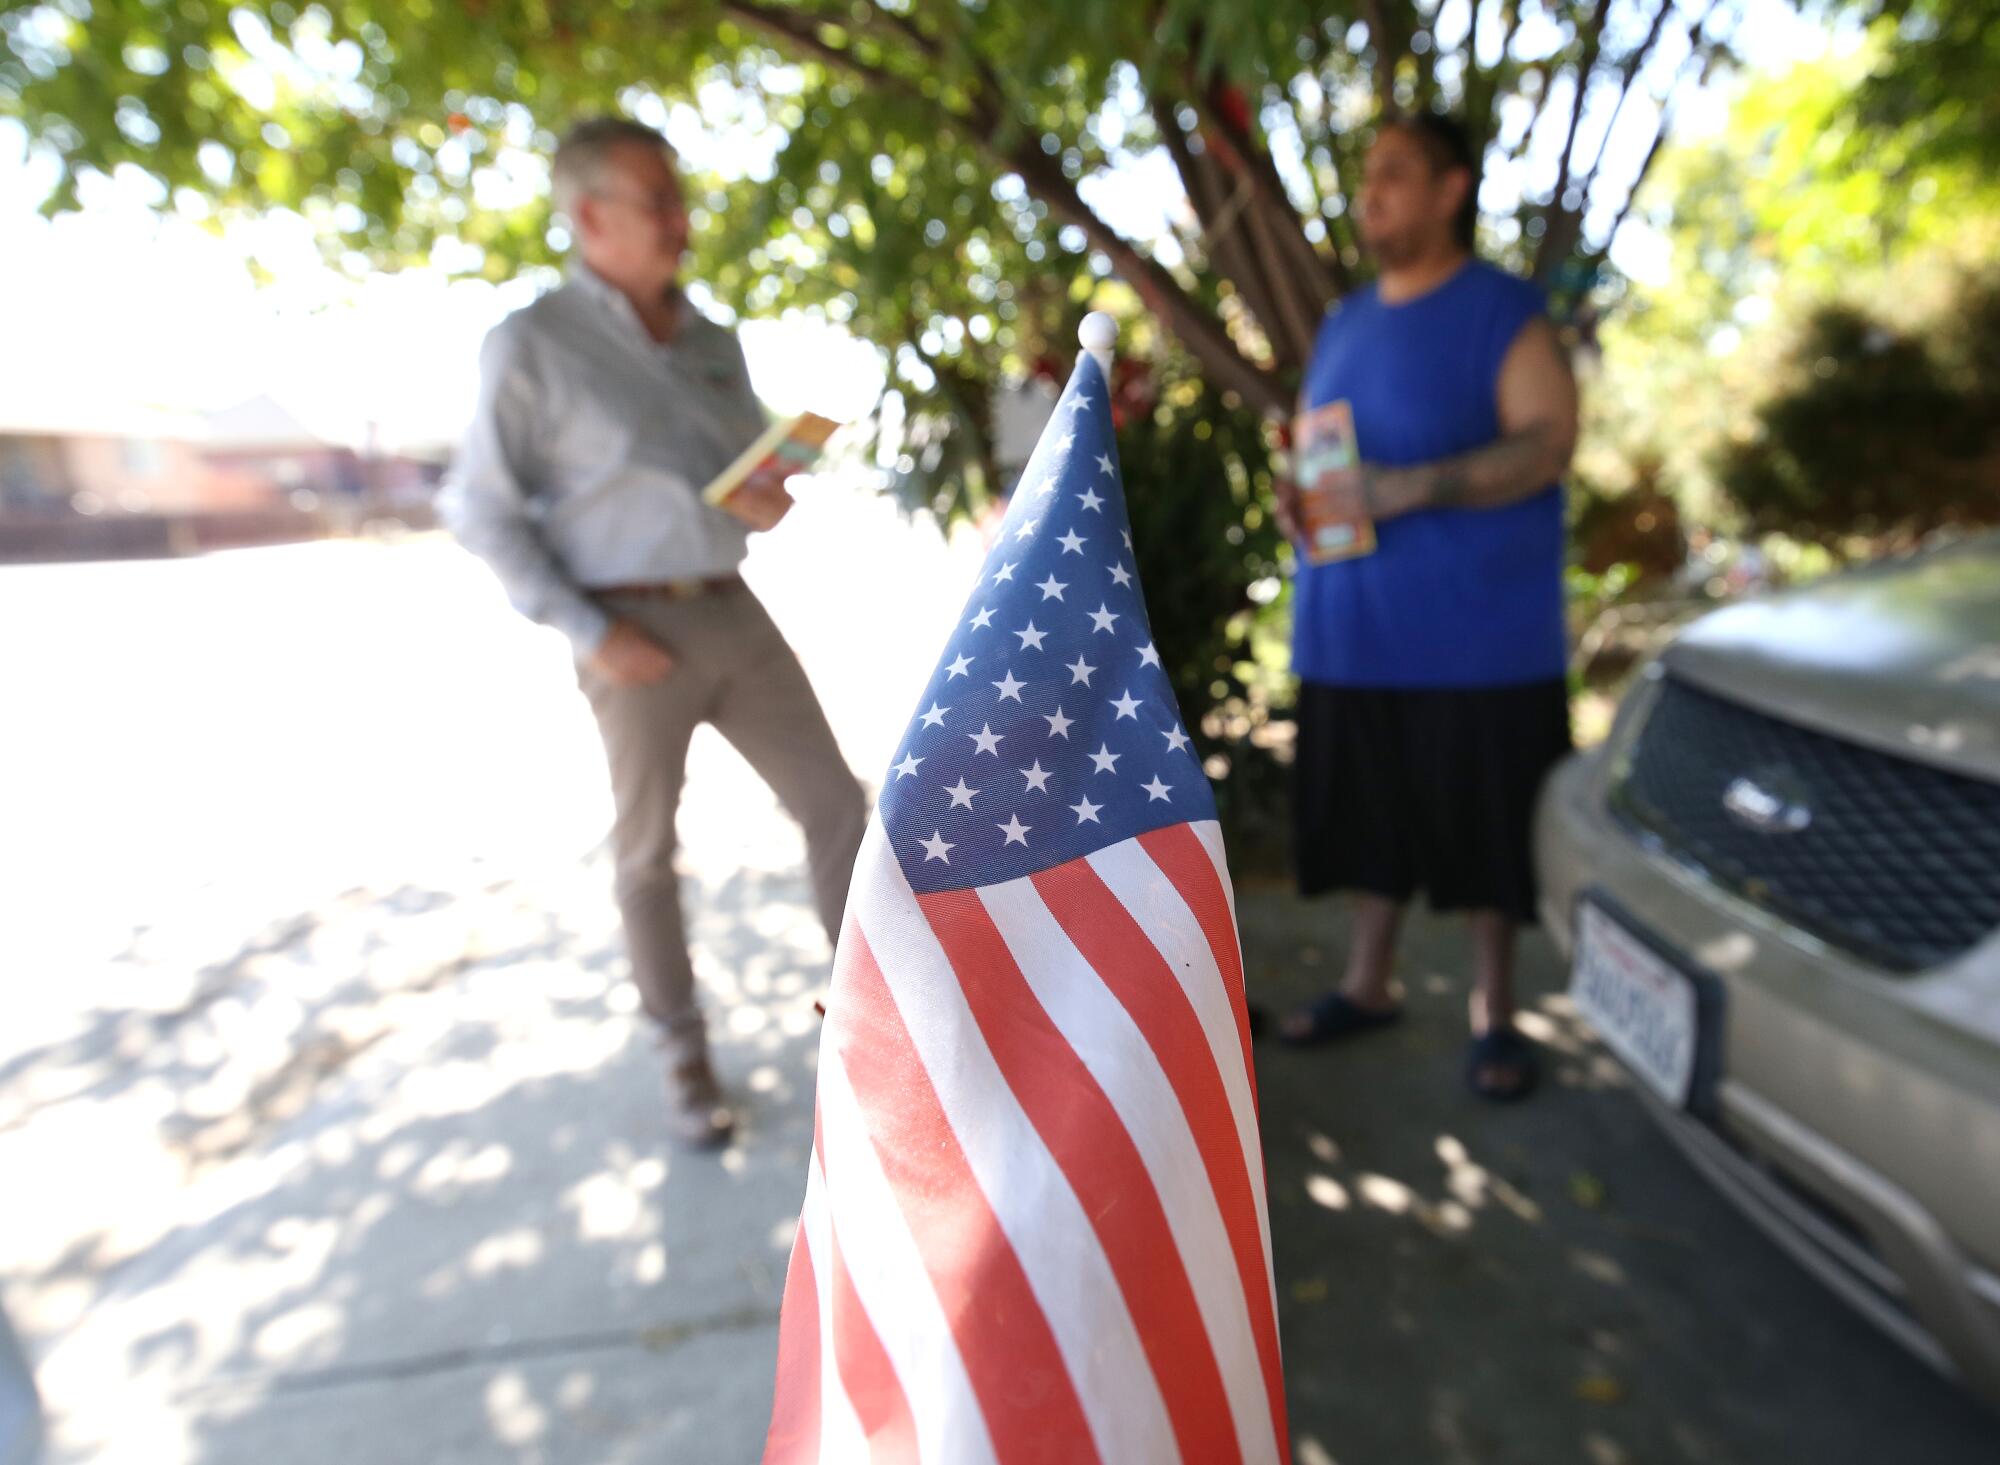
1450	597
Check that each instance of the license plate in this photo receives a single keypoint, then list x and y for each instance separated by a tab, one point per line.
1643	1007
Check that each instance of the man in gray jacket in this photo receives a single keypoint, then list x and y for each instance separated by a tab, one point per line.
603	409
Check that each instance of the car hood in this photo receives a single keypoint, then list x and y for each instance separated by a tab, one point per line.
1903	656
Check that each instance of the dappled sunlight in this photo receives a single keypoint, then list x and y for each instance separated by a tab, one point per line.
1601	1449
1444	1264
1730	952
1308	1451
309	1332
607	1208
1463	1283
409	1169
1473	1185
1446	1203
1582	1062
444	1176
1598	1267
1326	1191
513	1250
1385	1194
511	1409
344	1023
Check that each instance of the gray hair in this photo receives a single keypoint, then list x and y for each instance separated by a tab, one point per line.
584	150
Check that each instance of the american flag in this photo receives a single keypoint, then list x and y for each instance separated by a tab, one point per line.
1034	1226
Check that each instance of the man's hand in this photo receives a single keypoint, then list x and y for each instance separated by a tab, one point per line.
1285	500
761	500
628	657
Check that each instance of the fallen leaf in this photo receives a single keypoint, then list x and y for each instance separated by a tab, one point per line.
1599	1388
1586	1190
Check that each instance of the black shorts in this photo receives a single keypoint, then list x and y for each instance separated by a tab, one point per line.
1399	791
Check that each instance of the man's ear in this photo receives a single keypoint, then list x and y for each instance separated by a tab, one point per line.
1457	186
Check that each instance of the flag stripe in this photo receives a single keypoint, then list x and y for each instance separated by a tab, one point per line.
865	1370
1082	1130
794	1434
1034	1202
1185	860
1211	837
1149	891
1210	834
887	1272
1172	928
1117	946
1118	1053
867	1374
840	1436
1024	1388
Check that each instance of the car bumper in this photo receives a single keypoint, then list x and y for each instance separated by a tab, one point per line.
1826	1081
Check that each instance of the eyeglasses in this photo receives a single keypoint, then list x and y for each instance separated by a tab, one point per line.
662	204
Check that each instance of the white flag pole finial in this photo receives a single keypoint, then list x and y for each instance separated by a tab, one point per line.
1099	334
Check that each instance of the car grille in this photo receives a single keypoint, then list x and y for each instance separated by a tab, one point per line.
1894	861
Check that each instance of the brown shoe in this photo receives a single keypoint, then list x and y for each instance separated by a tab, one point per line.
696	1112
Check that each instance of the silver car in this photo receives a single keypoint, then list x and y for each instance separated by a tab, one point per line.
1778	885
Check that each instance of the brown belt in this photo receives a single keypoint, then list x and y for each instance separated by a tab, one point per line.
687	588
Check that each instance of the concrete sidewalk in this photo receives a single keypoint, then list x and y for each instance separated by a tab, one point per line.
413	1197
328	1126
391	1186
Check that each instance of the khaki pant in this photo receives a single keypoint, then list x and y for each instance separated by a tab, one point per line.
733	669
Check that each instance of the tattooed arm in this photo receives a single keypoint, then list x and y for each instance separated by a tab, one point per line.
1538	409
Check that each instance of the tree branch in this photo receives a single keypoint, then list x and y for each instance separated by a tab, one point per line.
1296	319
1513	14
1586	68
802	32
1197	328
1628	72
1701	54
1387	52
1335	278
1340	235
1216	213
1300	279
1479	80
1560	222
1632	193
1469	52
906	27
1543	96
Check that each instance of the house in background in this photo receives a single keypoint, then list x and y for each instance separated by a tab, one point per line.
140	463
261	440
248	473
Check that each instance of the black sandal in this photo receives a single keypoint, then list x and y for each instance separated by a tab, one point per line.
1501	1048
1335	1016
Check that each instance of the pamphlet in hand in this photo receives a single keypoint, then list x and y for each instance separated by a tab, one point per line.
794	441
1326	465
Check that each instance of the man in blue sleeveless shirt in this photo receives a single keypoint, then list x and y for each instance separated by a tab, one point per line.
1432	698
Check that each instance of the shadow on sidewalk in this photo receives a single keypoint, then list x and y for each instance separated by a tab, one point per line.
421	1201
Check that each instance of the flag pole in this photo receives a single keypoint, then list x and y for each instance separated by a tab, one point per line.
1099	334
